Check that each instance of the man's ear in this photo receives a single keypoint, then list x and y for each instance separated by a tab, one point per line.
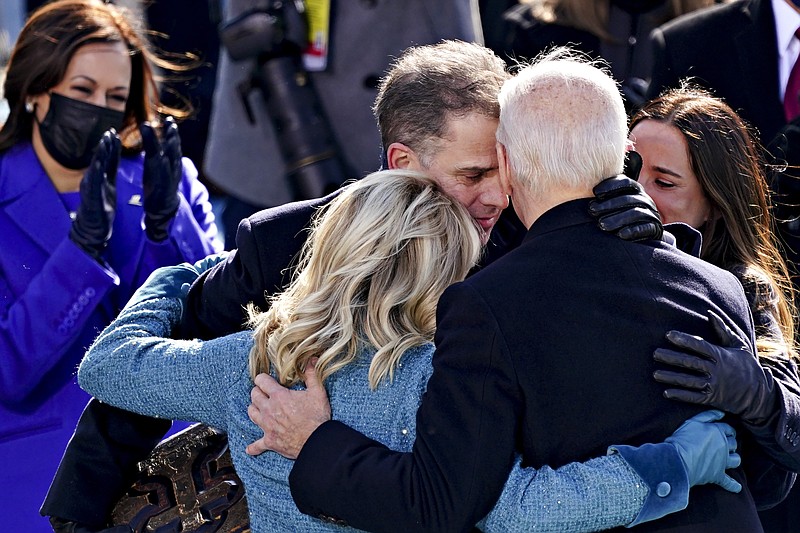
400	156
503	167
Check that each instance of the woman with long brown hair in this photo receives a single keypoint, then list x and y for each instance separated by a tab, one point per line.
94	195
703	167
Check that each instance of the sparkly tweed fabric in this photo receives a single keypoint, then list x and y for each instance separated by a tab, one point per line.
134	365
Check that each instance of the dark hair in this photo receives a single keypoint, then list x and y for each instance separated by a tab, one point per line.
46	45
728	163
427	85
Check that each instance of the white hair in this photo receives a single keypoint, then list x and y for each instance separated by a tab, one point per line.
563	123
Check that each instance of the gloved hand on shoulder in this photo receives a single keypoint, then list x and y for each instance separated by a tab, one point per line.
622	207
727	376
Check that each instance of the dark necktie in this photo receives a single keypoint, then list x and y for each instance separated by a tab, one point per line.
791	99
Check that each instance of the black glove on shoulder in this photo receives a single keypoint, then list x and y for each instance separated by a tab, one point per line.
622	207
162	176
94	220
726	376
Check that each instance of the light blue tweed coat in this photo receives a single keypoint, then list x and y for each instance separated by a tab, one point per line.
134	365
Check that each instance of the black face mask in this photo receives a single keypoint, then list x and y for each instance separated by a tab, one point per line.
71	129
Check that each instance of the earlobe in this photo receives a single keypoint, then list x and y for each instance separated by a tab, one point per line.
33	105
400	156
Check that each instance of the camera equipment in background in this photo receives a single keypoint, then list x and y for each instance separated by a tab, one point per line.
274	34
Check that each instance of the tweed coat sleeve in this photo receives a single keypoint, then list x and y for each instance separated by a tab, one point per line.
134	364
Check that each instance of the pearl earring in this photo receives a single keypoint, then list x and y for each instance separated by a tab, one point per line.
29	106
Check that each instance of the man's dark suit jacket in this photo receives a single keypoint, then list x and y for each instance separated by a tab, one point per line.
548	351
730	49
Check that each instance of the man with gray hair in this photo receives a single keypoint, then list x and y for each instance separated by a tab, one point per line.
546	352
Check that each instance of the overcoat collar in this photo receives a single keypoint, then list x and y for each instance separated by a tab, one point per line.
569	213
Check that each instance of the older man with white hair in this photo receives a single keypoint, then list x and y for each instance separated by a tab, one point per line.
547	352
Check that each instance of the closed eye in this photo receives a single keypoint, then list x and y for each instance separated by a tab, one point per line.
475	175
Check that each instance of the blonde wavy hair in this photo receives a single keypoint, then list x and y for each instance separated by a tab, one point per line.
371	272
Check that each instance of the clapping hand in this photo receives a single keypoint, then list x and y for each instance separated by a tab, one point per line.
94	220
162	176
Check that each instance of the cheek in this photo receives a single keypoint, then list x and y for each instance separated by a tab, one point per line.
694	206
464	195
116	106
665	203
652	191
676	207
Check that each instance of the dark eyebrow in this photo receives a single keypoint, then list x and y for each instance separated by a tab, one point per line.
667	171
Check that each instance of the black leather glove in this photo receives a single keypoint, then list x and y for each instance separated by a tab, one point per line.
622	207
60	525
94	220
162	175
726	376
633	164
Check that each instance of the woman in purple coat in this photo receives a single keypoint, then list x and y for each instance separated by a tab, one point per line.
86	215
